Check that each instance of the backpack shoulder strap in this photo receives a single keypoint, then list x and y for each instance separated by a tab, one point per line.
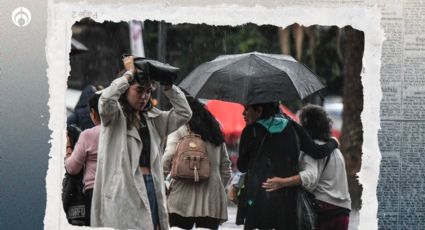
326	163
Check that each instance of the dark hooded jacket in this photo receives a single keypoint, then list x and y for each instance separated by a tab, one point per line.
277	157
81	115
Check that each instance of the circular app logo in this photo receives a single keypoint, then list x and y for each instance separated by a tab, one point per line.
21	16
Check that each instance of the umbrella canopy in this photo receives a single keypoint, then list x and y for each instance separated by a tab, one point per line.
252	78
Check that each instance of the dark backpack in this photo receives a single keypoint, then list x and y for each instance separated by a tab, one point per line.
72	188
73	198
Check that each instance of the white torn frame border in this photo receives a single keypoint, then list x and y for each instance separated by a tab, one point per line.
58	46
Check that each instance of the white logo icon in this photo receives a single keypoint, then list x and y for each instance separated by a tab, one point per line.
21	16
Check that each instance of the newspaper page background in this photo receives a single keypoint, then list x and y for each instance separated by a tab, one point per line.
401	139
394	69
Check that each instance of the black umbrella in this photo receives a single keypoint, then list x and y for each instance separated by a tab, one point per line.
252	78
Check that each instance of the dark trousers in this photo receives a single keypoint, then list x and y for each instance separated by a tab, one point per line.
188	222
88	194
332	217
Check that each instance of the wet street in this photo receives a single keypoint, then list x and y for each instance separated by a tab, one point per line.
230	224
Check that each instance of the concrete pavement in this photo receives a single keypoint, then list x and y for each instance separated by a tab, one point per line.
231	210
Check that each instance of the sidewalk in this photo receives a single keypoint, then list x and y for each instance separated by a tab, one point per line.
231	212
231	209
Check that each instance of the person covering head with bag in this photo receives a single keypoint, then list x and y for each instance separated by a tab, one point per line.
325	178
200	202
269	148
129	187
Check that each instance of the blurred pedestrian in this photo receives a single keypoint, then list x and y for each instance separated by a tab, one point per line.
269	147
204	203
81	115
325	178
129	188
84	155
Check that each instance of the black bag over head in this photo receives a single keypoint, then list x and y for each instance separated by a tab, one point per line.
153	70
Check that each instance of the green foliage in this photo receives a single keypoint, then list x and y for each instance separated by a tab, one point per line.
189	45
328	63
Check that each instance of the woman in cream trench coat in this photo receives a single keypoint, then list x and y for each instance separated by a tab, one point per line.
120	198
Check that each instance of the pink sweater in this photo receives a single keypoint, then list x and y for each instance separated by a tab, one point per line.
85	154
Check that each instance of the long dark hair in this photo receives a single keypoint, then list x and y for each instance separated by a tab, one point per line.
73	133
316	122
204	123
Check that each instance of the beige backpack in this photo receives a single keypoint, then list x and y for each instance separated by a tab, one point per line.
190	161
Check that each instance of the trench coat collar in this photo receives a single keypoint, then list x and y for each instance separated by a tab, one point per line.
134	133
153	113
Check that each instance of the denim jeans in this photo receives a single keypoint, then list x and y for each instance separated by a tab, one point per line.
150	188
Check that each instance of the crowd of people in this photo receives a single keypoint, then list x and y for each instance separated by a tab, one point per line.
129	151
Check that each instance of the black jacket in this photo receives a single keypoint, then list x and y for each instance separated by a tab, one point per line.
278	157
81	115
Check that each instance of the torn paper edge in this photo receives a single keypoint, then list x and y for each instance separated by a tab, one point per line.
61	18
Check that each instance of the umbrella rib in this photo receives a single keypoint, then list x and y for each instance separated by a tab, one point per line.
279	57
222	67
187	81
292	62
301	66
232	73
283	72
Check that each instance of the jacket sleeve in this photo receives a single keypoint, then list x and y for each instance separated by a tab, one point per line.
308	146
246	148
225	165
172	141
309	172
108	102
76	161
180	114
